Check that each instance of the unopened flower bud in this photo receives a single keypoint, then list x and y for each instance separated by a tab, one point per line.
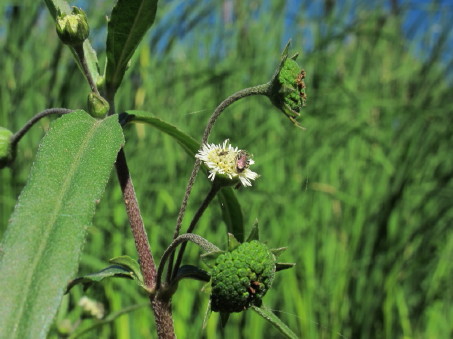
288	87
6	152
98	107
73	28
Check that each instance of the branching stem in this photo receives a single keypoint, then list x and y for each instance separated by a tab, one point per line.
51	111
215	188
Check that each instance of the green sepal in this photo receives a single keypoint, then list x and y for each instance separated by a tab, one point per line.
210	257
278	251
254	232
232	242
224	316
283	266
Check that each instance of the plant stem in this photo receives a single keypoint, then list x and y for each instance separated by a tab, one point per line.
182	239
263	89
17	136
215	188
161	307
138	230
256	90
81	56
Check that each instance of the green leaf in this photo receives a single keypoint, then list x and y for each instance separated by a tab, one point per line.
130	264
275	321
231	210
128	24
42	244
61	6
108	272
192	272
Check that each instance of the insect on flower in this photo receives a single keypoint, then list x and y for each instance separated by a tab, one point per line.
242	161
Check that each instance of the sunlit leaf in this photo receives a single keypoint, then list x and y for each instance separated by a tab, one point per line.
42	244
129	22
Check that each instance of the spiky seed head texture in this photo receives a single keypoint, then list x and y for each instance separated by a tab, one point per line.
242	277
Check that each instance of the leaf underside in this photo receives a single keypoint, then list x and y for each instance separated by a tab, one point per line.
41	247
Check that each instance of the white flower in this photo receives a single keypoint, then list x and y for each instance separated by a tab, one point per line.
94	308
227	161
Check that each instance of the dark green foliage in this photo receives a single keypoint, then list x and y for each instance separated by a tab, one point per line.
242	277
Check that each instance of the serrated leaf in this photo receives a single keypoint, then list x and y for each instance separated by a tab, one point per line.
129	22
130	264
108	272
275	321
230	207
42	244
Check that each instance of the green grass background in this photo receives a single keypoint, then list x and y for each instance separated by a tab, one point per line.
362	197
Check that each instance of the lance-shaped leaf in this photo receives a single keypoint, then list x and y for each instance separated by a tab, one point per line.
41	247
113	271
128	24
231	210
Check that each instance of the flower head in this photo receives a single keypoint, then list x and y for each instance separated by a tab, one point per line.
227	162
73	28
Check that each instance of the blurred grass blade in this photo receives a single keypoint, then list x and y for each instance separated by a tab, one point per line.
275	321
128	24
56	6
231	210
232	213
42	244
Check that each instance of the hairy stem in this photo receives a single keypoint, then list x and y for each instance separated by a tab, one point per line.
182	239
81	56
215	188
51	111
256	90
161	308
136	222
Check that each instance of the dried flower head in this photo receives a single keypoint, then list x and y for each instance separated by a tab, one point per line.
227	162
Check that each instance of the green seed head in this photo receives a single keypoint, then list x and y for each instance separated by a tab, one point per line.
73	28
242	277
6	152
288	89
